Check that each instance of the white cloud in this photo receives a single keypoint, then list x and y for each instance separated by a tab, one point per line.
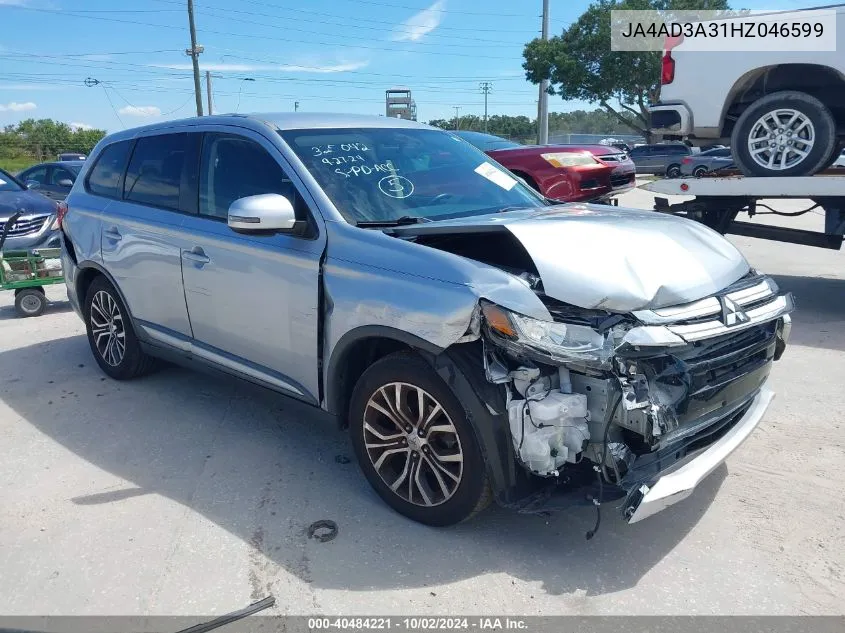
289	68
14	106
80	126
142	111
421	24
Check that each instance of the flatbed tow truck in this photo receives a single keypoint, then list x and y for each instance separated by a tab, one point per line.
719	199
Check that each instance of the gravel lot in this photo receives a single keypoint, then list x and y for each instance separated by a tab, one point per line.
183	494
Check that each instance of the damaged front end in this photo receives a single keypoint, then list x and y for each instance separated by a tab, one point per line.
637	407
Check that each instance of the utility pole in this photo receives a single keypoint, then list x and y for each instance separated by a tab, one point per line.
457	117
208	89
486	87
543	114
194	53
296	106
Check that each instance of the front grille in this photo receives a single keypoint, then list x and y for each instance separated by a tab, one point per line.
26	226
620	180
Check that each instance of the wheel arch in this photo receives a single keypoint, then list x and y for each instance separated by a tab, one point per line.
88	271
356	351
823	82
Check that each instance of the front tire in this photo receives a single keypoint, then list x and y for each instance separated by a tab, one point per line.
111	335
786	133
698	172
415	444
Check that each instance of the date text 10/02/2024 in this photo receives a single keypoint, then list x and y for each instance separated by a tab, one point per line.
417	623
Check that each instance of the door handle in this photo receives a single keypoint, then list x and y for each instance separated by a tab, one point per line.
196	255
113	234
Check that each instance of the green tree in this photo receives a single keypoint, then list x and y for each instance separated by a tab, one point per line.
36	140
579	63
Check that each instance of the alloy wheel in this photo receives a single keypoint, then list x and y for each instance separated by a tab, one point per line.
413	444
781	139
107	328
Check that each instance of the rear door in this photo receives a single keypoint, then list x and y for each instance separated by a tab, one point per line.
252	298
140	239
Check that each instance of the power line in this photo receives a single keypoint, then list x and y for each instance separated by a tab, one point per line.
345	35
397	6
251	36
113	108
346	19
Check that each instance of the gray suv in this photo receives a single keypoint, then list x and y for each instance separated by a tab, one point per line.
663	159
478	342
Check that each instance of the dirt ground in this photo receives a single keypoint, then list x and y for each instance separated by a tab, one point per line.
183	494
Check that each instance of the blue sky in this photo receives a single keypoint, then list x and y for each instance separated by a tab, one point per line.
329	55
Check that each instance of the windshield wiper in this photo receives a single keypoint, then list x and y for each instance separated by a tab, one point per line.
401	221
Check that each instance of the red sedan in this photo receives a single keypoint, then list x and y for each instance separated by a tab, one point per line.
569	173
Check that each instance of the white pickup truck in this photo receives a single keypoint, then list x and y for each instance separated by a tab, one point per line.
783	112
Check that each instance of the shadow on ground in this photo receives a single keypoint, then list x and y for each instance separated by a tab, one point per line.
819	317
263	468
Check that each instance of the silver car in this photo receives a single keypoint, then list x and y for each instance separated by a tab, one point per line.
478	342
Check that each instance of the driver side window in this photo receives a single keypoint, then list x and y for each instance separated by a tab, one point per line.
233	167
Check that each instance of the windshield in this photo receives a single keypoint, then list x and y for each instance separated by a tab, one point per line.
8	182
388	174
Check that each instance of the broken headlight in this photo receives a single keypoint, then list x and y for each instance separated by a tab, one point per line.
554	340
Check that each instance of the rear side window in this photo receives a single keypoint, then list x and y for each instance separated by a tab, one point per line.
104	179
155	171
677	149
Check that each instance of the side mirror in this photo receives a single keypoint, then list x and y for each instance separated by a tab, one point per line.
65	182
32	184
264	212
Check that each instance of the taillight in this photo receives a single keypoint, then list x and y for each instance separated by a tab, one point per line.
686	161
667	69
61	212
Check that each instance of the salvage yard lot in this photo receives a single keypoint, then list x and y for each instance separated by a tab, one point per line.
185	494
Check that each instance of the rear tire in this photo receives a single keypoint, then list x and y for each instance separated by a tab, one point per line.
786	133
111	334
698	172
673	171
422	456
30	302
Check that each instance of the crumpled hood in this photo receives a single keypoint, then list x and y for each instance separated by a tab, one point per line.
616	259
28	202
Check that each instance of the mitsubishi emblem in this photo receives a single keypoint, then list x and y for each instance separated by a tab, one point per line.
732	314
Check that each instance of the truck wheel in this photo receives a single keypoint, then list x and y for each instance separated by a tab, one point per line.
414	443
786	133
673	171
111	335
30	302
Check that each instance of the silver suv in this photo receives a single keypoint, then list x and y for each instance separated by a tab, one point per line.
478	342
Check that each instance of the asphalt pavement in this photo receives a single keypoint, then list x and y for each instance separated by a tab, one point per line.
184	494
